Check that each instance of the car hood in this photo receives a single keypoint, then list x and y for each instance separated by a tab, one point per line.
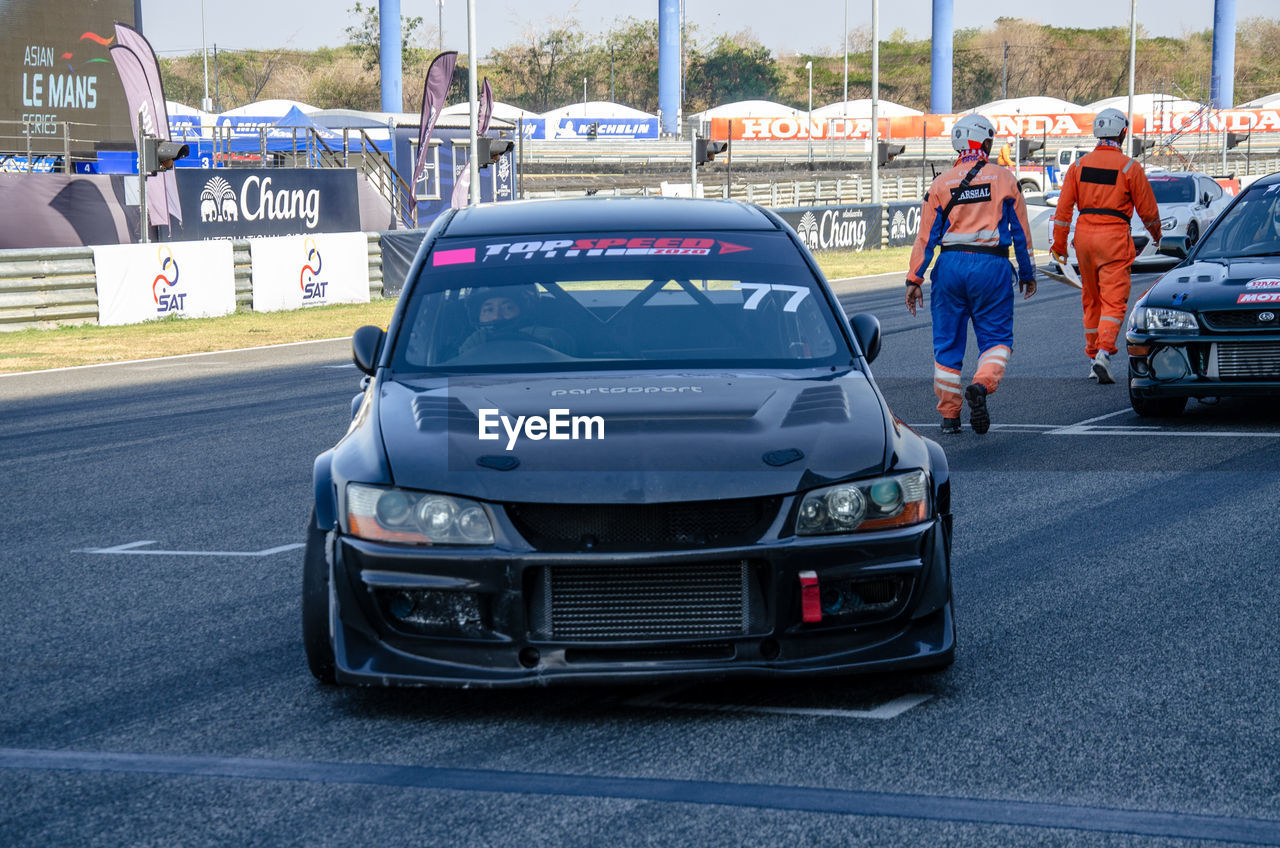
666	437
1235	284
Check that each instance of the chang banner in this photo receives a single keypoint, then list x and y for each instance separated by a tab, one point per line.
143	282
298	271
904	223
836	227
244	202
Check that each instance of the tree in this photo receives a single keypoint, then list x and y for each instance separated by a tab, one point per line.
734	68
366	36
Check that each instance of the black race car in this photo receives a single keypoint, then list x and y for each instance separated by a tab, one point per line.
623	439
1211	326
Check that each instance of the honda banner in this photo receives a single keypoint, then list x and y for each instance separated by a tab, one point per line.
143	282
243	202
298	271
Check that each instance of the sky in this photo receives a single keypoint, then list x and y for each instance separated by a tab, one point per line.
810	26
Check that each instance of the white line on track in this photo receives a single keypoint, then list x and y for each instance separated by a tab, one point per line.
1089	427
132	549
886	711
175	356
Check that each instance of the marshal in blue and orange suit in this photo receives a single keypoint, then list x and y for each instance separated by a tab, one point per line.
975	214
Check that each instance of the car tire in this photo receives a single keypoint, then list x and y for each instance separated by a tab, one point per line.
315	604
1028	187
1170	407
1193	234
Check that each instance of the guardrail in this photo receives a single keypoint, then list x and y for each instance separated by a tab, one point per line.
49	287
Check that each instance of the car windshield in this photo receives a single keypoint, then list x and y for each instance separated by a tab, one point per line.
1173	189
585	302
1250	227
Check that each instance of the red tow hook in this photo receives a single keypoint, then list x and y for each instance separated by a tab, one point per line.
810	602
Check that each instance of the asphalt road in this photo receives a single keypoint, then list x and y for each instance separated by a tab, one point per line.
1116	681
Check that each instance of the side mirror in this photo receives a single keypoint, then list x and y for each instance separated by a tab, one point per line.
866	329
365	345
1204	199
1175	246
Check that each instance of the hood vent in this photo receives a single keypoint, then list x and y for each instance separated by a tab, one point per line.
440	412
818	404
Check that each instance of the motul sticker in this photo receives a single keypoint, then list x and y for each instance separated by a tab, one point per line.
1263	283
612	246
1259	297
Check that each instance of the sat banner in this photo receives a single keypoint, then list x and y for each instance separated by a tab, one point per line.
836	227
143	282
298	271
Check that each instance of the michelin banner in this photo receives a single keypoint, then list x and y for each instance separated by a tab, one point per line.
836	227
298	271
143	282
587	129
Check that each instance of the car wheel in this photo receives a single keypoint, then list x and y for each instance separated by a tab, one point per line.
1170	407
1193	234
1028	187
315	604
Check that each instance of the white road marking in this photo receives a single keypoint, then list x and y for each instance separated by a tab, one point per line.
131	549
884	712
348	365
1090	427
175	356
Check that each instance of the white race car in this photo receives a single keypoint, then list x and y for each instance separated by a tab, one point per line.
1188	203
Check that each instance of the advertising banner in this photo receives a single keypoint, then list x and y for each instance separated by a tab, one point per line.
298	271
836	227
143	282
581	128
246	202
1052	125
904	222
55	67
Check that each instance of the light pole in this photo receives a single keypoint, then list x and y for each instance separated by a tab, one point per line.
808	129
875	101
1133	54
439	26
473	164
845	48
206	104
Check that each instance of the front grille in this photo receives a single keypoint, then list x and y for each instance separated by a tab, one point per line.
647	602
563	528
1249	360
1242	319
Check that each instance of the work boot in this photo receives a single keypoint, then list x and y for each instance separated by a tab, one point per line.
979	418
950	426
1102	368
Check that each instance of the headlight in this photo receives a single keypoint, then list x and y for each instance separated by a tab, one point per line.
1149	319
416	518
894	501
1168	223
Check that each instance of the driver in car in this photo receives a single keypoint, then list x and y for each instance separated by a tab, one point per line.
507	313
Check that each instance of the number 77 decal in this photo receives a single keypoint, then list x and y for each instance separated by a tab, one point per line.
759	290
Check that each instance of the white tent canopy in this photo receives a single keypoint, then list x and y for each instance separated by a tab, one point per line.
1145	104
269	109
1029	106
862	109
747	109
501	111
595	109
1269	101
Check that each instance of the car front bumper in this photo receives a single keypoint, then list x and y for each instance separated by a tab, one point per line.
1204	365
457	617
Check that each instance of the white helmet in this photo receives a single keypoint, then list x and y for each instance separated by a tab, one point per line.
1110	123
971	128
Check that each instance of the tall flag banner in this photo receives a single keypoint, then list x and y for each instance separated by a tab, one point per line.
462	182
135	61
434	91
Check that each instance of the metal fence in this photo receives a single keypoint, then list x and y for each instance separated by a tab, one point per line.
48	287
